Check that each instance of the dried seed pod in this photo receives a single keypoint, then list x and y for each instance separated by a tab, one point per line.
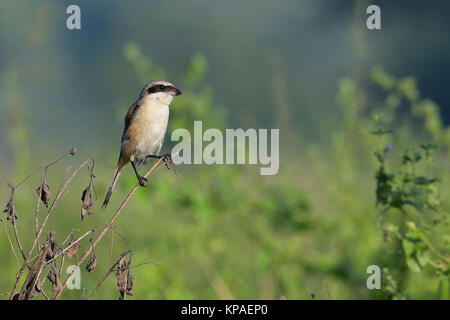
52	246
31	285
91	264
87	202
53	277
73	249
121	277
10	210
130	283
44	190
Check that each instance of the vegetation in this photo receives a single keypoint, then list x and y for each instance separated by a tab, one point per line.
226	232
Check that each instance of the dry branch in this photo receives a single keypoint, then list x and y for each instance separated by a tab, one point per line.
109	225
47	256
58	195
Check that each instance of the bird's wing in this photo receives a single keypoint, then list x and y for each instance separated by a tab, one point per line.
131	113
129	118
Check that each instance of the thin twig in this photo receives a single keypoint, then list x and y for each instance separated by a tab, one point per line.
69	246
38	202
61	266
144	263
44	294
47	166
10	242
16	234
67	238
435	251
118	233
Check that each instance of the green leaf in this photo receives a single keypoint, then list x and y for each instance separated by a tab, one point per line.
421	180
423	258
413	265
414	205
428	146
408	247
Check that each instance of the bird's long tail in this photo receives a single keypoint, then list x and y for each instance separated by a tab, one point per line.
113	184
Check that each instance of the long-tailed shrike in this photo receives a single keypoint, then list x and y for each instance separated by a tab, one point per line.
145	127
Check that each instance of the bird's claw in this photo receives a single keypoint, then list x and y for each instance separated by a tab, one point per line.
167	159
141	181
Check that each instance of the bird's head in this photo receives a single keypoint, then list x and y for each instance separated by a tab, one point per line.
160	91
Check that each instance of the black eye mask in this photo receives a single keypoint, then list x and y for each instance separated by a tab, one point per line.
158	88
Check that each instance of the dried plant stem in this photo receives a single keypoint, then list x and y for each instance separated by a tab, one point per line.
61	266
144	263
10	242
16	234
45	167
44	294
120	236
36	268
435	251
108	226
67	238
112	269
70	245
107	274
38	274
38	202
61	189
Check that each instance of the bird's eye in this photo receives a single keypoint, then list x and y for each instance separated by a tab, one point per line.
161	87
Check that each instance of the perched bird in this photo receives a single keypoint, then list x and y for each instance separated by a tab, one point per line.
145	127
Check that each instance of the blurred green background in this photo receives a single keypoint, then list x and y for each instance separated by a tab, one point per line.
310	68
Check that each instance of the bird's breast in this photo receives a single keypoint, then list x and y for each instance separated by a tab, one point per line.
149	126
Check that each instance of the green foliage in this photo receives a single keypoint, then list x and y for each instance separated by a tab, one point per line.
407	187
392	287
388	116
444	289
416	195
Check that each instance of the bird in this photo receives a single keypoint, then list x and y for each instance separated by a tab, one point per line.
145	126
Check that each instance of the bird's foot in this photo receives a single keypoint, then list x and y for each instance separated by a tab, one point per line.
167	159
141	181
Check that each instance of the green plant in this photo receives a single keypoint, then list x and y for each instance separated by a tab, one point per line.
410	188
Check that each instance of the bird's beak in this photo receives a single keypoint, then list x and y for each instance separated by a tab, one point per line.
174	91
177	92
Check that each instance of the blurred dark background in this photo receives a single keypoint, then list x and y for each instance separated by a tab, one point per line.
79	77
